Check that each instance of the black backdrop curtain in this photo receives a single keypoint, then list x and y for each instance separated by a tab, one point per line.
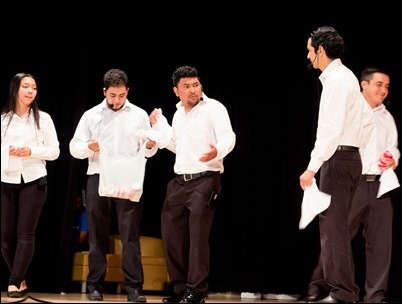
271	97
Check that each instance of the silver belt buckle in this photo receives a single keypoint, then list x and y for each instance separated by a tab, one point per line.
185	177
370	178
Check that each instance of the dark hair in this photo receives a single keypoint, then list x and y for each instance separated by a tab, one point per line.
329	39
11	105
367	73
115	78
184	72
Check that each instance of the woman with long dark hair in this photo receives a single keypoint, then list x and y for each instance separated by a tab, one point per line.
28	140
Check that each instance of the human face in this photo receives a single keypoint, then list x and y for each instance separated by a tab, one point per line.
27	92
189	90
116	97
312	55
376	90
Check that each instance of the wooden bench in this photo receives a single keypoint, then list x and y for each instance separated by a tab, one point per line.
153	261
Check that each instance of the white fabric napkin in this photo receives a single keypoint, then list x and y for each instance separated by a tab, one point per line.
4	157
388	181
148	134
314	202
9	163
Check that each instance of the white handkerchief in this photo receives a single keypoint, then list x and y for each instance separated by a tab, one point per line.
10	163
14	164
4	157
148	134
388	181
314	202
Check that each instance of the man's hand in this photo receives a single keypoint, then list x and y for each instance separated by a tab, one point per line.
154	115
306	179
211	154
93	144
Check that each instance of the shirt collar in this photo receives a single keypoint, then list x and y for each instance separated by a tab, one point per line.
125	106
330	67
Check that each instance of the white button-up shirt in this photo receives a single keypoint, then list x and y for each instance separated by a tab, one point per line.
117	131
22	131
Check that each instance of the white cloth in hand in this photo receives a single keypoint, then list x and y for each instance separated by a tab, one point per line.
145	135
388	181
314	202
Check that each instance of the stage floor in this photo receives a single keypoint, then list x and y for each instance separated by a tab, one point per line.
119	298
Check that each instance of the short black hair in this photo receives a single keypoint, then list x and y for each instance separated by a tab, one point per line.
329	38
367	73
115	78
184	72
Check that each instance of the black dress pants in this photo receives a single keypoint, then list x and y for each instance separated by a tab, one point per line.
186	221
375	216
21	207
339	177
99	214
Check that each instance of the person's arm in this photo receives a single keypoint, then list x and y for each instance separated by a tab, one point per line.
48	146
145	136
393	142
161	126
79	143
225	137
331	121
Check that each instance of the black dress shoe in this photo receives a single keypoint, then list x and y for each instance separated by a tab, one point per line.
175	298
95	295
14	294
194	297
136	296
17	293
24	292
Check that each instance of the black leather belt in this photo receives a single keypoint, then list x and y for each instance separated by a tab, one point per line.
190	176
347	148
371	177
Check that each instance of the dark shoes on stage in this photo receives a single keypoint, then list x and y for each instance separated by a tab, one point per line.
136	296
194	297
17	293
95	295
175	298
186	296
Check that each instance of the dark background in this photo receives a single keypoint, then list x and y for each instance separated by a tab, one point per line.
255	63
